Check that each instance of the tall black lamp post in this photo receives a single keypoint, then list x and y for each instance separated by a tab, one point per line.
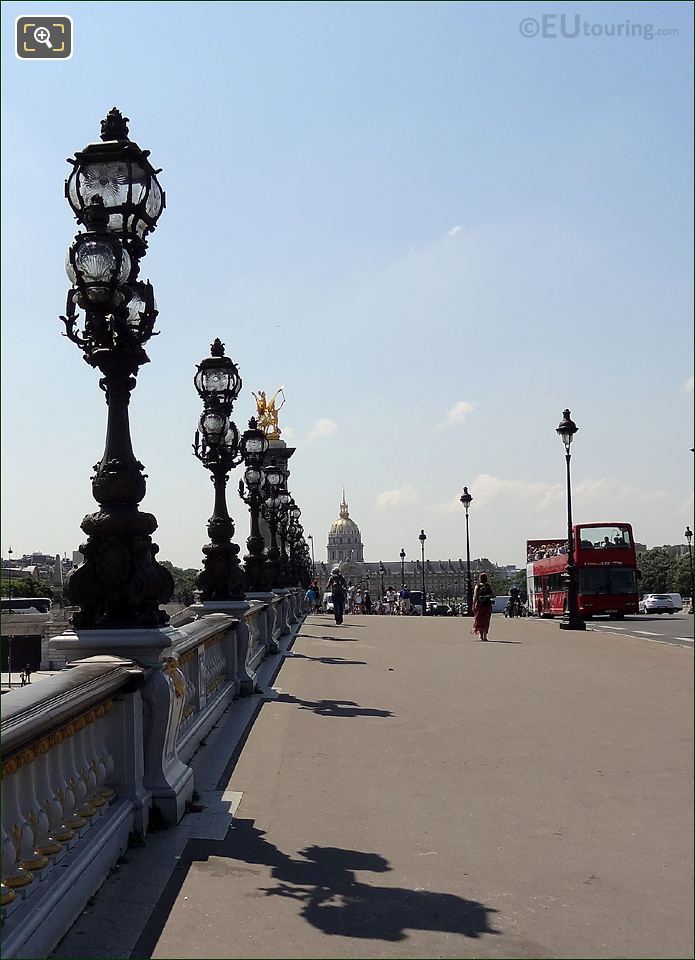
271	509
571	620
422	538
110	314
313	562
689	537
402	556
466	500
217	447
253	449
382	571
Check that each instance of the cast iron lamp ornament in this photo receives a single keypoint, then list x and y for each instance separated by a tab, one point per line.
253	449
217	447
571	619
422	538
110	315
466	500
402	556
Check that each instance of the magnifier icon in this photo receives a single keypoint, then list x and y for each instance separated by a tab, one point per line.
43	35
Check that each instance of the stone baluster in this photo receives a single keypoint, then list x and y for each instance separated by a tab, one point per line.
85	760
14	875
17	804
77	784
64	821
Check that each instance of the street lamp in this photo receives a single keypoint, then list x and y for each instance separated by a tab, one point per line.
217	447
422	538
402	555
270	511
110	315
466	500
313	562
571	620
382	571
689	538
253	449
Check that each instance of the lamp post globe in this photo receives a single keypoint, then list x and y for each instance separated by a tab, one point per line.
571	620
422	537
466	499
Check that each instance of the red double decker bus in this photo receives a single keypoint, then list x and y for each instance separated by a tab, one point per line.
606	562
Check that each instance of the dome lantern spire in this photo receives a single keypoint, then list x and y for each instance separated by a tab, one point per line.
344	508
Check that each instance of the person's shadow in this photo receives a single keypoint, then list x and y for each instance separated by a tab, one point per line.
333	899
333	708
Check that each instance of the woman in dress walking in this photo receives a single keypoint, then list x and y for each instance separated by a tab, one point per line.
482	606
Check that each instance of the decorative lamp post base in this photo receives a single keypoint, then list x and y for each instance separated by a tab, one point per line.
120	584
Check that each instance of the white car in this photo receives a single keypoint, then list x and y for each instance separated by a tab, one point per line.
327	603
657	603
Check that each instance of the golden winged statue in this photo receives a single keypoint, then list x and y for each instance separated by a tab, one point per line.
267	412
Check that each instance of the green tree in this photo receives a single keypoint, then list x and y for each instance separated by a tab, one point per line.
184	582
663	573
26	587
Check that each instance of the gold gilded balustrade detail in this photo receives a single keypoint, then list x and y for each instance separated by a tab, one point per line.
33	750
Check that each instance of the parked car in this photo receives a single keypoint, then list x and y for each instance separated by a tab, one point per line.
443	610
657	603
327	605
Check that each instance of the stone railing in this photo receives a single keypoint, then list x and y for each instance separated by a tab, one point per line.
72	792
88	753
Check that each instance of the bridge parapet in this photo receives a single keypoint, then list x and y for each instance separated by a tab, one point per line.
72	792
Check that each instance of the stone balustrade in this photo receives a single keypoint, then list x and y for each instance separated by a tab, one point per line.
88	753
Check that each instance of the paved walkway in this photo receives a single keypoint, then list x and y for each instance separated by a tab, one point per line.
407	791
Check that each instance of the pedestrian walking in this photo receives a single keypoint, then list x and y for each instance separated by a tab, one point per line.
367	603
27	673
317	601
482	607
391	600
359	600
350	597
310	597
338	589
405	600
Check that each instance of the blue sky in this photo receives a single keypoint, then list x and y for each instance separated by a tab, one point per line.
434	231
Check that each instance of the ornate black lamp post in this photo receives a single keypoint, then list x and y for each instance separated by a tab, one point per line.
110	315
571	620
689	537
422	538
270	511
402	556
253	449
382	571
313	563
217	447
466	499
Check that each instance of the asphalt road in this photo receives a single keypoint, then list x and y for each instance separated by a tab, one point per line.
674	628
408	792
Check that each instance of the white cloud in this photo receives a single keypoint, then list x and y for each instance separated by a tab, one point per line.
456	415
289	433
602	493
322	428
454	231
688	385
389	499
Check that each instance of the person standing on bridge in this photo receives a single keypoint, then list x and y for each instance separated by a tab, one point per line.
482	607
338	588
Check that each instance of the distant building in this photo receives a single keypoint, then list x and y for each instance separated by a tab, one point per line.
345	550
